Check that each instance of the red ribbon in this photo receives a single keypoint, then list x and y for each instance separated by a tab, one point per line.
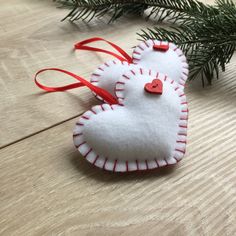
99	91
82	46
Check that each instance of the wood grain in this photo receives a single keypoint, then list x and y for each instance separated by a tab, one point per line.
34	38
47	188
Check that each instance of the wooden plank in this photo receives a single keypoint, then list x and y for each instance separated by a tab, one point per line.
34	38
48	189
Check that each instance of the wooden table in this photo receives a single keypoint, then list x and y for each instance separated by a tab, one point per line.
46	188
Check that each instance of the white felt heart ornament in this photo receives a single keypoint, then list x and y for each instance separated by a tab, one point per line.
144	131
148	54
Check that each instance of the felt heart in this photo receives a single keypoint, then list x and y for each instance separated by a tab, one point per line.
142	132
154	87
147	54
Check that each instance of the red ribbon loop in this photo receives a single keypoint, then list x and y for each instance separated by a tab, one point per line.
99	91
82	46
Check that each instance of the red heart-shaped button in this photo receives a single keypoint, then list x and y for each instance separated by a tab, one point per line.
154	87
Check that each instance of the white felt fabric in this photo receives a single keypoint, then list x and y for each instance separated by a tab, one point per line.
108	74
144	131
171	63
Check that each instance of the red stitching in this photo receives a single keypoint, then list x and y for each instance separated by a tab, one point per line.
157	163
75	135
120	82
136	53
104	164
146	165
137	165
114	62
132	72
88	153
153	42
96	74
100	68
81	144
175	49
165	78
114	167
80	124
94	81
176	159
141	71
126	77
183	118
180	141
95	159
93	111
166	162
179	150
140	47
146	161
85	117
106	64
157	74
149	72
119	90
181	95
146	44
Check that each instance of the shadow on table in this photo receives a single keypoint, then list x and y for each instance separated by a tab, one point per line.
94	172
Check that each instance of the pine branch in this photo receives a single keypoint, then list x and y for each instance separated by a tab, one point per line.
207	34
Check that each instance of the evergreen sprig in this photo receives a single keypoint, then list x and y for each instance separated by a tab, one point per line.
206	33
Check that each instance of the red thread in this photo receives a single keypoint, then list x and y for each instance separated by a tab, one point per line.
104	164
81	144
178	150
82	82
83	46
96	74
120	82
133	72
88	153
127	165
146	44
126	77
137	165
180	141
157	163
95	159
114	167
140	47
146	164
80	124
85	117
75	135
93	111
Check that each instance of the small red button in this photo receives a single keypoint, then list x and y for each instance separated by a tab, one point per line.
154	87
162	47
